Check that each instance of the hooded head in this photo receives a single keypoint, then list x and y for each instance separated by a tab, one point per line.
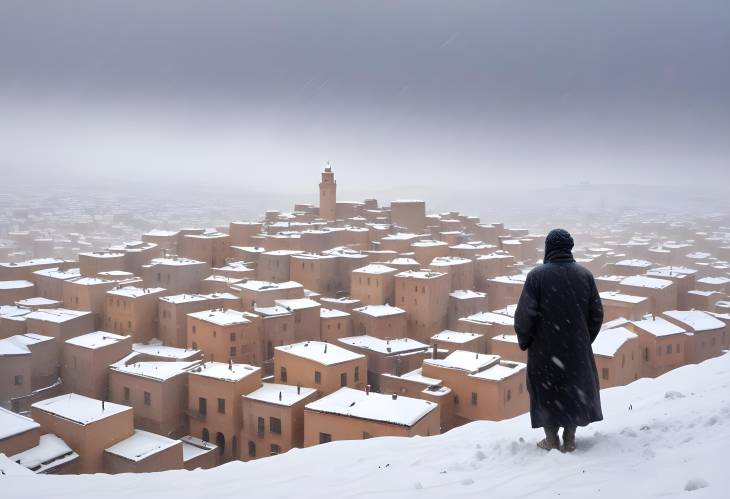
558	246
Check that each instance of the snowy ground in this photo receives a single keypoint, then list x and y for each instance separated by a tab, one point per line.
674	442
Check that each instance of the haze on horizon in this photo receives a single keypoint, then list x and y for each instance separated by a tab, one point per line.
466	96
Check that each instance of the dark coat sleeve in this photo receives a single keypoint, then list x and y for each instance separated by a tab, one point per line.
595	311
526	313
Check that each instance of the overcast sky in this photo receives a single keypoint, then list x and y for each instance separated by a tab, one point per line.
415	95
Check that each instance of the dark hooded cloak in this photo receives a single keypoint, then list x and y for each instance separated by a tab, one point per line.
558	317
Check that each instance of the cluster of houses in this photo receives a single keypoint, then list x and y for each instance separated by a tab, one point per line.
349	320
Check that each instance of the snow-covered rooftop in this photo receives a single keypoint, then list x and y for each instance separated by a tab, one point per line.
379	310
641	281
156	370
455	336
133	291
80	409
465	361
420	274
12	424
96	339
386	347
298	303
285	395
141	445
696	319
321	352
50	453
221	317
658	326
224	372
404	411
506	338
500	371
266	285
157	349
375	269
57	315
467	294
492	318
332	313
5	285
609	341
622	297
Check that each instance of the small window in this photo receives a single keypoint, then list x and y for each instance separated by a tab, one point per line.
366	435
473	398
251	449
275	425
126	393
261	426
147	398
509	395
222	406
678	347
324	438
282	374
18	380
205	435
275	449
343	379
202	406
318	377
357	374
669	349
129	324
604	373
193	329
232	351
232	336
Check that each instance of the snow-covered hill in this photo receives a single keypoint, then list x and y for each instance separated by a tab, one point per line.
666	437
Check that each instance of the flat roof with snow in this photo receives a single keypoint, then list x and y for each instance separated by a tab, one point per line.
164	351
57	315
285	395
466	294
500	371
387	347
455	336
225	372
421	274
491	318
12	424
97	339
51	452
465	361
696	319
608	341
80	409
641	281
16	284
375	269
658	326
298	303
141	445
379	310
621	297
318	351
133	291
403	411
158	371
221	317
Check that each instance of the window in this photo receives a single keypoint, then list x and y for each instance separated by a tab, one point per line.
669	349
202	406
324	438
282	374
623	360
222	406
147	398
343	379
473	398
18	380
509	395
677	347
126	393
234	447
317	377
232	351
604	373
283	327
193	329
251	449
521	389
232	336
357	374
646	353
205	435
261	426
275	425
129	324
195	346
366	435
275	449
659	351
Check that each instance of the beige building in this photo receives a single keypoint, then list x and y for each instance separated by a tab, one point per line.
334	324
381	321
91	264
663	345
349	414
275	266
211	247
15	369
273	419
662	293
485	387
709	334
17	433
386	356
618	357
457	340
173	310
85	362
494	264
176	275
507	347
460	271
504	290
424	295
373	284
214	403
409	214
226	335
315	272
617	305
277	329
60	323
465	302
87	425
426	250
158	391
322	366
14	291
133	311
49	282
143	452
328	195
306	317
256	294
88	294
23	271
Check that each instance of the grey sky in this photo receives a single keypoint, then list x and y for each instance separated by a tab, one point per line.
410	94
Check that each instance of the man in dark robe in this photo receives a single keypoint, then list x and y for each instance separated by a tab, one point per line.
558	317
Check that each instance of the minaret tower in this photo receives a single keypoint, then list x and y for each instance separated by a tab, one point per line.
328	194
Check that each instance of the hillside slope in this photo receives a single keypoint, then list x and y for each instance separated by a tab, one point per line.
673	441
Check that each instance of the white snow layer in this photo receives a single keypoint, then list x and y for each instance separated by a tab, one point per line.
665	437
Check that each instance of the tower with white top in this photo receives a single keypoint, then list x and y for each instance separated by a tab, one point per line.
328	194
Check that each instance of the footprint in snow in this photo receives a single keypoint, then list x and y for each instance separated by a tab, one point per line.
467	481
696	484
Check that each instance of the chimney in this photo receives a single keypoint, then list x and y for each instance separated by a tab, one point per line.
367	389
435	350
230	364
325	348
102	406
299	389
394	396
279	396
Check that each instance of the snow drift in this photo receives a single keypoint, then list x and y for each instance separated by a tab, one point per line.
666	437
